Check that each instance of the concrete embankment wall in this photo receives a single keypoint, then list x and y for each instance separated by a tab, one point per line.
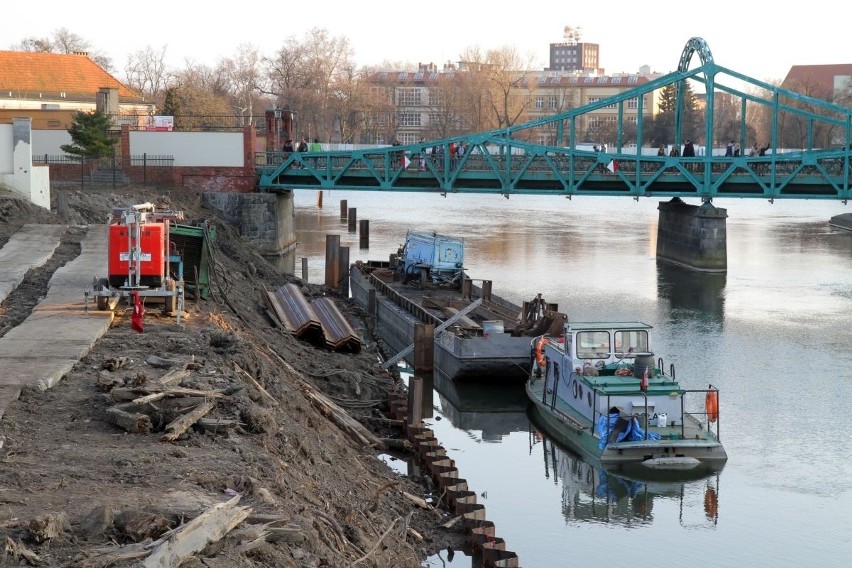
693	236
265	220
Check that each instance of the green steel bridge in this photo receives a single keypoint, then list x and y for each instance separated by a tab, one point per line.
505	161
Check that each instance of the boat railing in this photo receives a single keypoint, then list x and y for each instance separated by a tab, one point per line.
711	415
410	306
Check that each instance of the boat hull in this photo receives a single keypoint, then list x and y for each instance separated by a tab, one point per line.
672	453
497	357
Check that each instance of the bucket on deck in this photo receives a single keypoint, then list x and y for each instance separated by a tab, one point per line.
491	327
643	362
662	420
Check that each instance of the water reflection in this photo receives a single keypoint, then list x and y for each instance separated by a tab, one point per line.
702	292
495	411
594	494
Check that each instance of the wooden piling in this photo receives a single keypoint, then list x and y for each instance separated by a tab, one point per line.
424	348
467	288
364	233
343	272
486	290
319	199
415	401
343	209
332	263
352	219
372	312
305	268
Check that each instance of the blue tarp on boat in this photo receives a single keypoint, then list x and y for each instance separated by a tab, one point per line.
624	429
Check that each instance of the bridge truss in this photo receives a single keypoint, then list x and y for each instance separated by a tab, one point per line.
506	161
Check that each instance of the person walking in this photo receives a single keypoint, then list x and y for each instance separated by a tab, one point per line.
688	149
729	149
662	150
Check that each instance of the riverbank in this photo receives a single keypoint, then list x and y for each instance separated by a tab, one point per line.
77	490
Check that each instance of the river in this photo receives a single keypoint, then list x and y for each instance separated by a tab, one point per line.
773	334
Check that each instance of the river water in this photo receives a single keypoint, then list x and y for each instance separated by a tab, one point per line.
773	334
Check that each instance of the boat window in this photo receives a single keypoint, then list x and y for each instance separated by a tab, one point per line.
631	341
593	344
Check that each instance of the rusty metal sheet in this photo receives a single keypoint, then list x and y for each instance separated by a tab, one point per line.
339	334
296	314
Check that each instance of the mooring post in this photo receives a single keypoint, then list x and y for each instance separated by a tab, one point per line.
364	233
424	347
343	209
343	272
352	219
319	199
332	255
305	268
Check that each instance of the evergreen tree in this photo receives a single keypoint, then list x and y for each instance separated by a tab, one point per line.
171	106
90	136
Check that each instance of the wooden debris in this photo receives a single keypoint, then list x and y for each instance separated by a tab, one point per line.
452	522
397	444
135	423
195	535
215	425
148	398
414	534
174	376
253	382
182	423
46	527
290	534
340	417
17	550
417	501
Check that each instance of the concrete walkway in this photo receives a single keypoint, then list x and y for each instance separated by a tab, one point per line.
45	346
29	248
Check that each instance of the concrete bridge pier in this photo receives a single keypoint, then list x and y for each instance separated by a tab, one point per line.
693	236
265	220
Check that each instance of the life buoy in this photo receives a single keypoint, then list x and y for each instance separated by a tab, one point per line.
711	503
711	405
539	351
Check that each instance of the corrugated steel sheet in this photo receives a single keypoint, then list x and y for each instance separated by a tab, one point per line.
293	310
339	334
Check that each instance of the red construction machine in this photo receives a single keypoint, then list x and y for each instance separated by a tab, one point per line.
142	262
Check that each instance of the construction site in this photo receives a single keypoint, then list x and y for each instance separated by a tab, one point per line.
158	410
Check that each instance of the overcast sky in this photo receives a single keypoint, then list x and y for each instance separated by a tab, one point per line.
761	40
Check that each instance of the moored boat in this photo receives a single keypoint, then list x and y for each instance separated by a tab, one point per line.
597	389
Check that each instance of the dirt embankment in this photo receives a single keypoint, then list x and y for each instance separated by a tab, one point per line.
78	490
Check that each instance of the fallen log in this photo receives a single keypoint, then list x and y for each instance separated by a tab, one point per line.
16	549
173	376
135	423
216	424
181	424
397	444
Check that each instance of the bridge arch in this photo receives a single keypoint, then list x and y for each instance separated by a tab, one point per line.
693	46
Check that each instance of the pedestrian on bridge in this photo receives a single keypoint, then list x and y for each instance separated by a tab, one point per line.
662	150
737	150
729	149
688	149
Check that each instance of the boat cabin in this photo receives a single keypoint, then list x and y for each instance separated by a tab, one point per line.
598	344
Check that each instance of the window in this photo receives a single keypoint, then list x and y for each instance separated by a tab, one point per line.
633	79
616	80
418	76
602	80
539	102
593	345
551	101
593	100
409	119
633	103
634	339
589	80
408	96
437	97
406	138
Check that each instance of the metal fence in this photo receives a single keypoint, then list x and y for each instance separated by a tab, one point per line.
196	123
111	171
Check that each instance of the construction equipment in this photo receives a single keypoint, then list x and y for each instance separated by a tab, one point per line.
142	260
431	258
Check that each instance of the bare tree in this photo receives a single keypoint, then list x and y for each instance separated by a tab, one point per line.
243	73
64	41
146	72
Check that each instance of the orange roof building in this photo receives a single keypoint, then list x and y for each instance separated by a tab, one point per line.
50	87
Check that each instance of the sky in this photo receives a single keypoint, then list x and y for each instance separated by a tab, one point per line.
757	39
